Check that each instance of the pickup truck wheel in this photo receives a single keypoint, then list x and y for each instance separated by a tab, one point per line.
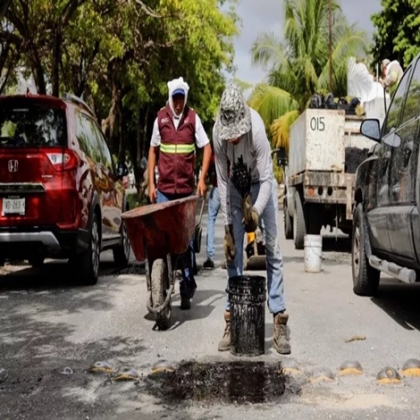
288	222
365	278
299	227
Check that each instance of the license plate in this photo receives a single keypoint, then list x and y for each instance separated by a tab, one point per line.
13	206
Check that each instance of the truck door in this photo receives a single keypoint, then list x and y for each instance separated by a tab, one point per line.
378	217
403	217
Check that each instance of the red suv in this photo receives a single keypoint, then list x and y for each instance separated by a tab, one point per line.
60	193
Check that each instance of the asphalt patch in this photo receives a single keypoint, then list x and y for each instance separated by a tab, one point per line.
238	382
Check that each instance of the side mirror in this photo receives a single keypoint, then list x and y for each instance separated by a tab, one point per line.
122	169
392	139
371	129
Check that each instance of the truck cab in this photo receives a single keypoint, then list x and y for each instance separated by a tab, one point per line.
386	223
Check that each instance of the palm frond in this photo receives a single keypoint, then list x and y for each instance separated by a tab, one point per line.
271	102
280	129
267	50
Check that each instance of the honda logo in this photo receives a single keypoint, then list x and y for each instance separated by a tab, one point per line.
13	165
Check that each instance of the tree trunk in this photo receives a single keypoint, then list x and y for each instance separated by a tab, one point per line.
55	76
108	124
121	133
38	72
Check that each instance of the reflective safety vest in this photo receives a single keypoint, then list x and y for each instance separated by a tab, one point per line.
176	152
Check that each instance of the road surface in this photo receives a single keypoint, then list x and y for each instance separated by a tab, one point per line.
53	330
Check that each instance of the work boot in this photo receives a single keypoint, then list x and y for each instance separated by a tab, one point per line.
209	263
224	343
281	337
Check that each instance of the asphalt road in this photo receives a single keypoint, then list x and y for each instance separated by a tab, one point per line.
49	323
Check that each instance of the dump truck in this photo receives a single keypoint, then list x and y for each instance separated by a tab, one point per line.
326	148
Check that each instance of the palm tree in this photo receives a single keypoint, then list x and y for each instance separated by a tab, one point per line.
300	63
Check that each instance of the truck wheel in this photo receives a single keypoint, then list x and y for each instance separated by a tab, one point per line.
299	227
365	278
288	222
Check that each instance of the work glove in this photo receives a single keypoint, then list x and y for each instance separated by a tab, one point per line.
229	243
250	215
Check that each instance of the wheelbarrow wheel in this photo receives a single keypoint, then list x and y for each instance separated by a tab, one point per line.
159	290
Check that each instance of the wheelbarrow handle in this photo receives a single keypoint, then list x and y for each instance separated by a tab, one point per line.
201	211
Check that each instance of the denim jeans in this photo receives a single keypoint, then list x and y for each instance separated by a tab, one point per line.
187	275
213	210
270	220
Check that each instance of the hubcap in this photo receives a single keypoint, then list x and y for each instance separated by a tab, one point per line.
356	252
95	248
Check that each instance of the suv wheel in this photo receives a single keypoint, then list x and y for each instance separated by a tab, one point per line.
87	263
365	278
122	251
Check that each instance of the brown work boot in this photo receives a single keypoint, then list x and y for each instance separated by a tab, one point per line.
224	343
281	337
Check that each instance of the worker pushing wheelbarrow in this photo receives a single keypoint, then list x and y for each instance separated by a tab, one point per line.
160	235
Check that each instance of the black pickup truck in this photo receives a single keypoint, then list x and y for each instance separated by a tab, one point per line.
386	222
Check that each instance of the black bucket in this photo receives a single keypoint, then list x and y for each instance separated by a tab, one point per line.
247	296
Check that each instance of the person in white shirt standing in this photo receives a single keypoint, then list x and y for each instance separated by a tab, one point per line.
177	131
239	138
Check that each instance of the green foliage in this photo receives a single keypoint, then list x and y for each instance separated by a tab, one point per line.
397	31
120	55
299	62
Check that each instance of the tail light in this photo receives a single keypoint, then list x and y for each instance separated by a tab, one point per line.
63	160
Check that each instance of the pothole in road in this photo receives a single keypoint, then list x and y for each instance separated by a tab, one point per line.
238	382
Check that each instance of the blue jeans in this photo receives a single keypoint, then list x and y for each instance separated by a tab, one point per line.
270	221
187	284
213	211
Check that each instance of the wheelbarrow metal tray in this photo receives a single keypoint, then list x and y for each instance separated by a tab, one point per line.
165	228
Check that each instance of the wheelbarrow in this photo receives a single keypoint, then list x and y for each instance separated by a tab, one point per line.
160	235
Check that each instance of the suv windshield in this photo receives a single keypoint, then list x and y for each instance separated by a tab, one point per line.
31	125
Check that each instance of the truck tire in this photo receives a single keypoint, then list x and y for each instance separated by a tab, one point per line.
365	278
299	226
288	222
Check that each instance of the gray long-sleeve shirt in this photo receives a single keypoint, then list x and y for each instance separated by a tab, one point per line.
255	151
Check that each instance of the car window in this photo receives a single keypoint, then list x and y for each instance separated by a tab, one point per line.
412	104
106	154
25	124
87	138
394	113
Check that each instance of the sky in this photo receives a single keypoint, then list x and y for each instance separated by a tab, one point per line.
266	16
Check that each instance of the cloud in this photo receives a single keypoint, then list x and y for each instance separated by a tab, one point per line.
267	16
